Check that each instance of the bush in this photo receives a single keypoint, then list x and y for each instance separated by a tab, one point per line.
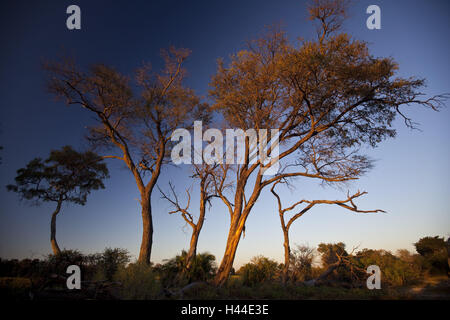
301	267
173	272
260	269
109	261
138	282
434	253
394	271
58	263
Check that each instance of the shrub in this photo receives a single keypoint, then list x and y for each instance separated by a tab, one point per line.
434	253
173	271
138	282
301	268
394	271
260	269
58	263
109	261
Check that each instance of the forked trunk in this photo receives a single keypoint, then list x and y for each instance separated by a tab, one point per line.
55	247
237	224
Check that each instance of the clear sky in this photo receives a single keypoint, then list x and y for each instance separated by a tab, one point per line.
411	175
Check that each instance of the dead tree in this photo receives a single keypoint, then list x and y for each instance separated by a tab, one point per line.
309	204
204	174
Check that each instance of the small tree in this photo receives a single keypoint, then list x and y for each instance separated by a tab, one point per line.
65	176
301	263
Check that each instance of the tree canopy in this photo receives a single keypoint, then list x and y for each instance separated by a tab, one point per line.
66	175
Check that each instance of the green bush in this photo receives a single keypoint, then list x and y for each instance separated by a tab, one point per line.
434	254
394	271
138	282
260	269
173	271
109	261
58	263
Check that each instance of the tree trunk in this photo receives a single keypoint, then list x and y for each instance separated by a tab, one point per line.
192	249
224	270
147	229
55	246
196	231
287	255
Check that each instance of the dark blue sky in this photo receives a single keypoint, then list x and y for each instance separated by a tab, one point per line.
410	180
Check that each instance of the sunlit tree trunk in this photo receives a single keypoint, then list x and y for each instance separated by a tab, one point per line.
55	246
147	230
234	236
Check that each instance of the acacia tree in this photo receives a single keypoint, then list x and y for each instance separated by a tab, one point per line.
328	97
204	174
133	129
65	176
308	204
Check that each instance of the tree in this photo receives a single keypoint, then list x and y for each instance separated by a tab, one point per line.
65	176
434	253
137	128
430	245
330	252
204	173
347	204
327	97
301	263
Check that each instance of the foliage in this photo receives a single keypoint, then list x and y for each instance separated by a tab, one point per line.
66	175
259	269
58	263
329	252
434	253
173	271
138	281
395	271
301	267
109	262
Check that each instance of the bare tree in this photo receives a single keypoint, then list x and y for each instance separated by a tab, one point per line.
327	97
203	173
65	176
135	130
308	204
